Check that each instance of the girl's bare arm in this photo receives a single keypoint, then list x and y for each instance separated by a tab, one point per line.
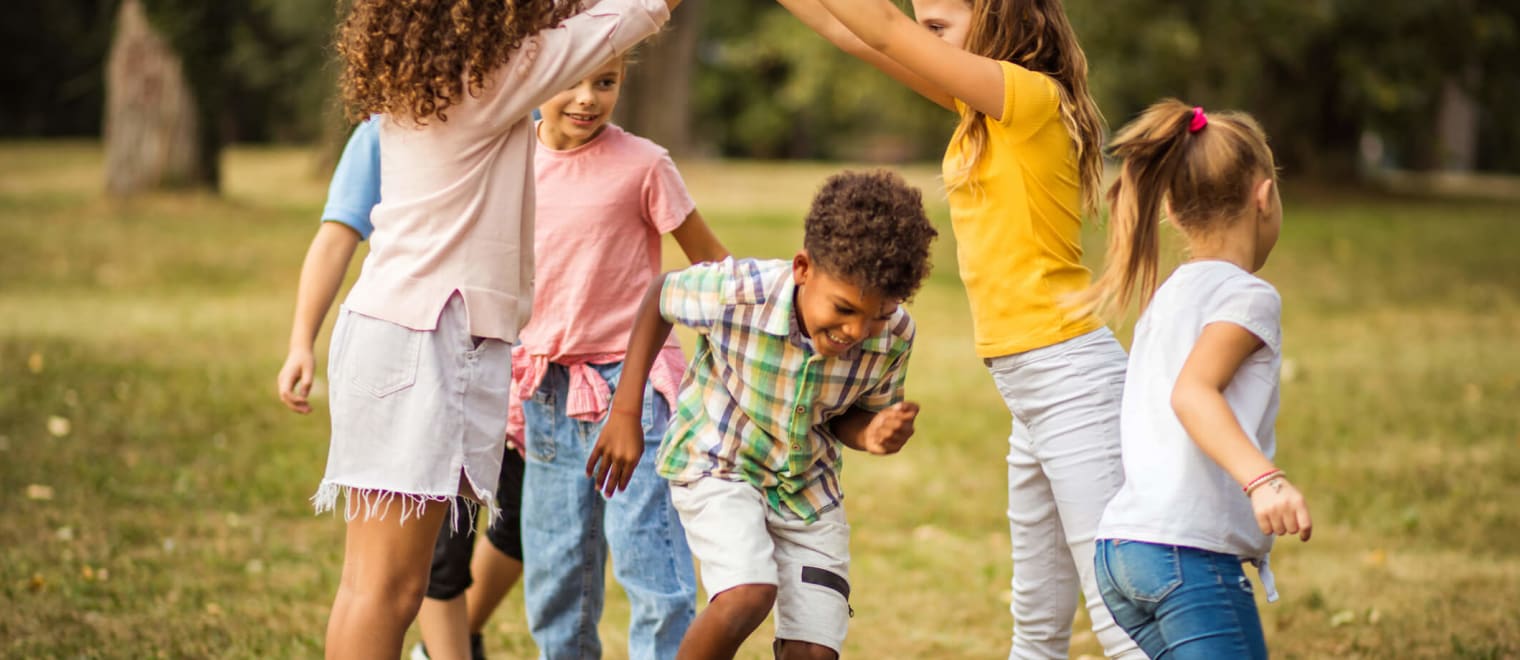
817	17
1198	400
698	241
977	81
321	276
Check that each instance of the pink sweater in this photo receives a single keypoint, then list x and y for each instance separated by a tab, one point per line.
457	197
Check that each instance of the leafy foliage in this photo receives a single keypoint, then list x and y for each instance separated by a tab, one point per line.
1320	74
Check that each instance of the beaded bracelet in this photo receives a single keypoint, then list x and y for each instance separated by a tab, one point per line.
1257	482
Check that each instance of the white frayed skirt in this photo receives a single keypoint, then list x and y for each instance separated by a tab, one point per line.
417	416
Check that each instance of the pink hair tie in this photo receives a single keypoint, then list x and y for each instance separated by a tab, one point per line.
1199	120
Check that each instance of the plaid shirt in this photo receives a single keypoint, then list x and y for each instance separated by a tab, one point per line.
756	402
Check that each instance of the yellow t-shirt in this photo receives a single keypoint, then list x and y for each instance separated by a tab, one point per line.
1018	223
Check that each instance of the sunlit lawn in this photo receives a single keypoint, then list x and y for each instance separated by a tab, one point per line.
153	492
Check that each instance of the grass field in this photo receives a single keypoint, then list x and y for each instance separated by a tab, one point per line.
153	491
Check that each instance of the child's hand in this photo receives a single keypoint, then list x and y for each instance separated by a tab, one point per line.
617	452
1280	509
890	429
295	380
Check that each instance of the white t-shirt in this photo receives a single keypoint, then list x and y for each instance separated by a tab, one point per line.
1173	493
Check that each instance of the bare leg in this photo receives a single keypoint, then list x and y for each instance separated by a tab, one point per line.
791	649
727	621
385	574
443	627
495	574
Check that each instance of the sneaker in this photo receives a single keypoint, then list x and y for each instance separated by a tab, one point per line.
419	652
477	649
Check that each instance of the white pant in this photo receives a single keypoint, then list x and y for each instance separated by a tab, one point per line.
1063	467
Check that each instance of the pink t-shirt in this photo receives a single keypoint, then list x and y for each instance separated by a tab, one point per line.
601	209
457	198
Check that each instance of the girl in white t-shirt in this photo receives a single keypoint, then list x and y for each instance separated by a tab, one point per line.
1201	494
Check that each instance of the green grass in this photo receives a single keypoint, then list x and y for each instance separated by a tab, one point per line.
175	522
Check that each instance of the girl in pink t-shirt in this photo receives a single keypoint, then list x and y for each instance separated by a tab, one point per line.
604	199
420	360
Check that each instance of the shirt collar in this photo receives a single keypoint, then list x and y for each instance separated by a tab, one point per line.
777	317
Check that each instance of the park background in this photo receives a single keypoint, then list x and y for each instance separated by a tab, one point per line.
163	165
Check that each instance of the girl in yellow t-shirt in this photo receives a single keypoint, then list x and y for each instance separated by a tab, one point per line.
1020	170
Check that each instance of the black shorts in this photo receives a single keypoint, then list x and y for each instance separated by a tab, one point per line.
450	575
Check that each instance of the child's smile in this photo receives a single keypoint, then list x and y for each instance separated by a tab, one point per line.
577	115
834	313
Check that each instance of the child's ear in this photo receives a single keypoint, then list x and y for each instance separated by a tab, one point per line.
1264	195
801	265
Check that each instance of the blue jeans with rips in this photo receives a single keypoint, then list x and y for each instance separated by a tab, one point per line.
569	528
1180	603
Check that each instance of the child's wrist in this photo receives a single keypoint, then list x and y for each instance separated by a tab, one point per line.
1262	480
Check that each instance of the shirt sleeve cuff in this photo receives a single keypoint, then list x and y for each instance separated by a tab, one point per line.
639	20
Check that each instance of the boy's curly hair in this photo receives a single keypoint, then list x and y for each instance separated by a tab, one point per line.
870	229
416	58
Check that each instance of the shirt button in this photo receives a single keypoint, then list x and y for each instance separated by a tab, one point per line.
796	447
802	410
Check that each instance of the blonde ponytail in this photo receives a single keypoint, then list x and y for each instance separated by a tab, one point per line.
1173	155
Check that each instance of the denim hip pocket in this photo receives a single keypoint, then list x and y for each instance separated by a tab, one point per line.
1145	572
381	357
539	423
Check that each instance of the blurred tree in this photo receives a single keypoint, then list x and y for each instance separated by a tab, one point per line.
152	127
1321	75
54	55
1432	81
768	87
251	69
172	59
656	101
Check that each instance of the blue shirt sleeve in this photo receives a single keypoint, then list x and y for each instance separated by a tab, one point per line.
355	188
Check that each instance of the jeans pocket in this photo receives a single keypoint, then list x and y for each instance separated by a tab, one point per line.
538	431
1145	571
1099	359
387	362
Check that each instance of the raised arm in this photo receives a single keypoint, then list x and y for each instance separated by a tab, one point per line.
621	441
977	81
818	18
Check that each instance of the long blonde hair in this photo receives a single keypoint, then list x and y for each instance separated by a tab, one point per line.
1203	168
1036	35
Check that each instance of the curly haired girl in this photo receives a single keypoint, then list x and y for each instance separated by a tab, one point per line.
420	364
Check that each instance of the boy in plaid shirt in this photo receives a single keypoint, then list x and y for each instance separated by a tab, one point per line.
793	360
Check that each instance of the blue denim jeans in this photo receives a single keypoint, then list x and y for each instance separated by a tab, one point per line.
1180	603
568	529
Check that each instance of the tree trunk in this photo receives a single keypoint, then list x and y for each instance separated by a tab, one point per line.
1457	122
656	101
151	131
